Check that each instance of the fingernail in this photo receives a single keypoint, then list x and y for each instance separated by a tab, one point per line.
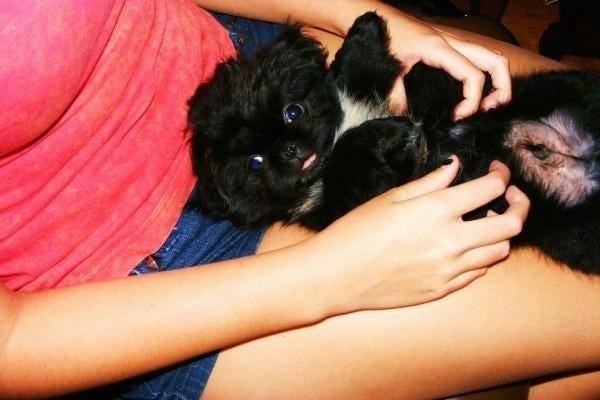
491	106
447	161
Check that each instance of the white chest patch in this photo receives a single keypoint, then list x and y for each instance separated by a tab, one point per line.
357	112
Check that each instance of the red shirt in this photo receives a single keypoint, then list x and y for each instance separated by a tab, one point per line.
94	159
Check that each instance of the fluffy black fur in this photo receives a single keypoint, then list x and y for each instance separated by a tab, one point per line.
239	116
548	135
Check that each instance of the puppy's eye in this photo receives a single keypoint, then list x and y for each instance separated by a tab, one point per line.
292	112
255	163
539	151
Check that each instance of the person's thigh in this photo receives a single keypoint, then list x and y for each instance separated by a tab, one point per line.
582	386
525	318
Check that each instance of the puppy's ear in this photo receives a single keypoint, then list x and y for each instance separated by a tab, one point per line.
290	66
213	99
207	196
294	46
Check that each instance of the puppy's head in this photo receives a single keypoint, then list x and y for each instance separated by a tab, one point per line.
262	128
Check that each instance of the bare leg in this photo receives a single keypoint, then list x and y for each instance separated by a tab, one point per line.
523	319
583	386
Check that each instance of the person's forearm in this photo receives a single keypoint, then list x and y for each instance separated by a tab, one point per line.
314	14
66	339
522	61
57	333
308	12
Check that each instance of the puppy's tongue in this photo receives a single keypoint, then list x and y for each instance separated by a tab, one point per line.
309	161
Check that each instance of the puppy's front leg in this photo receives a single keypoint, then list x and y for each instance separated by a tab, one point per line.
363	68
366	161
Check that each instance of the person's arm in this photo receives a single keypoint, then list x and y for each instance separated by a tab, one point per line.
412	41
464	55
522	61
527	317
394	251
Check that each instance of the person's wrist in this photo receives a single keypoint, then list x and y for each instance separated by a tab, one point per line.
334	260
308	281
312	297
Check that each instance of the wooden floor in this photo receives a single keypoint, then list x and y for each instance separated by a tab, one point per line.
527	20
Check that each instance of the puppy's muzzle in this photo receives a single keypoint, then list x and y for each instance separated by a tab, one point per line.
298	158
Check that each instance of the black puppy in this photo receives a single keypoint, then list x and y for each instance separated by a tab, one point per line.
265	125
548	135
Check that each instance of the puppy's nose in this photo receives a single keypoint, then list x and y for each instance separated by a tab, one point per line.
290	152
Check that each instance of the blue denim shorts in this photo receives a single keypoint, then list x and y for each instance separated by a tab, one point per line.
196	240
247	34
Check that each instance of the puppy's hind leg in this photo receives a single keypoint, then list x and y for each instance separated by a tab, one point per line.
364	68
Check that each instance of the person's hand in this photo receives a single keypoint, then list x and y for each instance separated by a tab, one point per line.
413	41
410	245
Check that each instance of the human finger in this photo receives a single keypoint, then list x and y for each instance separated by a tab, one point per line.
463	70
514	196
496	65
438	179
463	279
488	231
470	195
484	256
497	228
398	100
